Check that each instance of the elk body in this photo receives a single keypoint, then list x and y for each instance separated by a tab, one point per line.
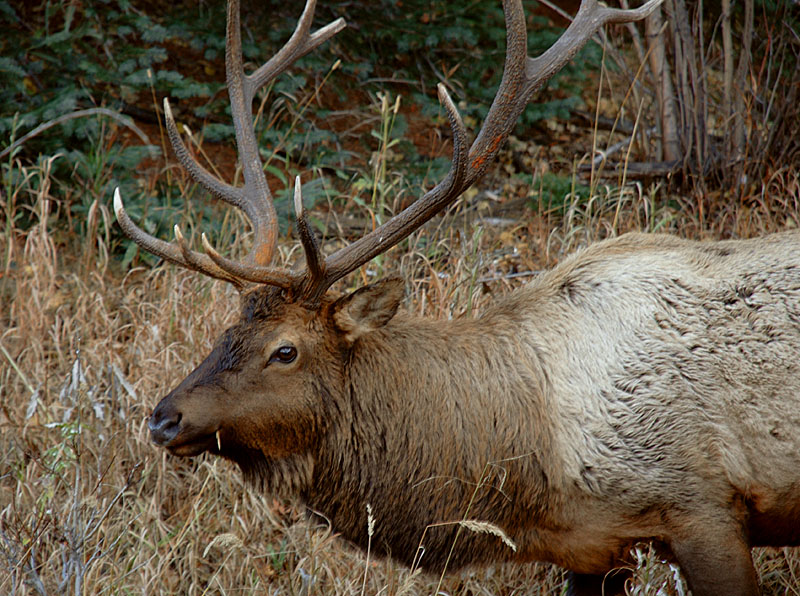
645	389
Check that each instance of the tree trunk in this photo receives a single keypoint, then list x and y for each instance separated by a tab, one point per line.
665	91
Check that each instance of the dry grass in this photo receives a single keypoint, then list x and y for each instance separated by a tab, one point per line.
89	506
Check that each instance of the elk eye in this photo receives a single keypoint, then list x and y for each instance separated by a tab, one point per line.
285	354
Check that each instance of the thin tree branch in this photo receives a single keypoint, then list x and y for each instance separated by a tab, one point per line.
127	122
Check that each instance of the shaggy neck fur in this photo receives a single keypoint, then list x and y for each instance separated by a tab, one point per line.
424	439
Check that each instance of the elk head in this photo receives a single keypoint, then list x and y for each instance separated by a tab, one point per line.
274	381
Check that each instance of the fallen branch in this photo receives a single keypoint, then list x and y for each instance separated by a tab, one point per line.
636	169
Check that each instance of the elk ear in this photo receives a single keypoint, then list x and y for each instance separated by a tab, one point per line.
368	308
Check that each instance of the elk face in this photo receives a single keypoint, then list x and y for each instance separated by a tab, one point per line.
273	382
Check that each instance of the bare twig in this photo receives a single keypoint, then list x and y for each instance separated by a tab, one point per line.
127	122
603	155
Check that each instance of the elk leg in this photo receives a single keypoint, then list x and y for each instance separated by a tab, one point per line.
716	561
610	584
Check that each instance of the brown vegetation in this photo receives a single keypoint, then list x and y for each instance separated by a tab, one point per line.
86	354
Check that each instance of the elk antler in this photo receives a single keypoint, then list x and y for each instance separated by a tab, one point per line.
523	76
254	198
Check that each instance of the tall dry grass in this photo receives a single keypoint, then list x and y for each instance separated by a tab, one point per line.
89	506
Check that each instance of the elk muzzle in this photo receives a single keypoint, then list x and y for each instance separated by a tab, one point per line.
169	428
164	424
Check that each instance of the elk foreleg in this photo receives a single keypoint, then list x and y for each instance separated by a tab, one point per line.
715	558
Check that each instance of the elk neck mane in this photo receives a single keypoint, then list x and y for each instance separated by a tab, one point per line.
423	434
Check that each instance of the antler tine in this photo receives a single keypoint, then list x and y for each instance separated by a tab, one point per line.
167	250
220	189
591	16
519	86
273	276
522	77
314	260
299	44
199	261
400	226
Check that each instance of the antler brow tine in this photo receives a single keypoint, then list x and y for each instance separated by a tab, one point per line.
166	250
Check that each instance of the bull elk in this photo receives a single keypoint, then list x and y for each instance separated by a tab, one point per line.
645	389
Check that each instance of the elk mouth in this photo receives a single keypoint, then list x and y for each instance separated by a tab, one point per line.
193	446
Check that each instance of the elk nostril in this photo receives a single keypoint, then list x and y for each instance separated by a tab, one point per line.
158	421
164	425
